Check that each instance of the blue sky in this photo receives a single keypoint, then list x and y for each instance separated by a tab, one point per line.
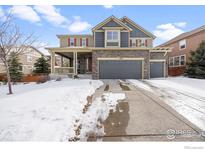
47	21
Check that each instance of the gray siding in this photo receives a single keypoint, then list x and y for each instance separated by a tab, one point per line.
111	24
124	40
136	32
99	39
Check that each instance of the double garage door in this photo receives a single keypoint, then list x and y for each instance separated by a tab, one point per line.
128	69
120	69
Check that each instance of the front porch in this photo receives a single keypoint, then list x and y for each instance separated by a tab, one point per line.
71	62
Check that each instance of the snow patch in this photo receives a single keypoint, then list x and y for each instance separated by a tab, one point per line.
97	113
185	95
141	85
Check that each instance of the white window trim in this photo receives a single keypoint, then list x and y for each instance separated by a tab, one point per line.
73	41
170	61
84	39
112	40
179	60
143	39
138	38
184	44
28	56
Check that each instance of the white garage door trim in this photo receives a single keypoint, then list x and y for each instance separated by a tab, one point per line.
158	60
122	58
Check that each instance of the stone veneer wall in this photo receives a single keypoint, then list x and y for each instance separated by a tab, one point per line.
124	54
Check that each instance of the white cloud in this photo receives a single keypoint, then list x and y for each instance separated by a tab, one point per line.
52	15
168	31
78	26
108	6
181	24
25	12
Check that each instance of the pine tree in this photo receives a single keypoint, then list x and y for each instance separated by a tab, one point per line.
15	68
196	66
41	66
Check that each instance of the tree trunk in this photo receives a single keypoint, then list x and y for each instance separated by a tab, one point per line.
8	79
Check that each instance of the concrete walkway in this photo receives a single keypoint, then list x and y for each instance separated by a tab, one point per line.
144	117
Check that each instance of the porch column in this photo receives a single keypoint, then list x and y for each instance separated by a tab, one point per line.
52	62
61	61
76	68
74	62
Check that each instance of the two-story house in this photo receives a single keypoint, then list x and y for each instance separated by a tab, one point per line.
27	59
182	45
117	49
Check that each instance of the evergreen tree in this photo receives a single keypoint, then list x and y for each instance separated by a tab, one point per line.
15	68
41	66
196	66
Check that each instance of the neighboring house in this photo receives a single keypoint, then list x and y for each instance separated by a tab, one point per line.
117	49
181	47
27	59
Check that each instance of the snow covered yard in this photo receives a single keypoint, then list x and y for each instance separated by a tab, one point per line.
185	95
53	111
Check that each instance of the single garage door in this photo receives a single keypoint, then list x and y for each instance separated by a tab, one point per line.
156	69
120	69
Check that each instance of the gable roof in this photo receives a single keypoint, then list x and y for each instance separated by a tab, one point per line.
184	35
109	19
137	26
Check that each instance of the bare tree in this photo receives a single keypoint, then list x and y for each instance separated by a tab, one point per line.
12	40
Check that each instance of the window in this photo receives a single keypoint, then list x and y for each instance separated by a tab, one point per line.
182	60
84	42
135	42
182	44
112	36
72	42
171	61
142	43
29	58
177	61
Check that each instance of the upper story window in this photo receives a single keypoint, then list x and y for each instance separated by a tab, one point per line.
112	38
84	42
182	44
143	42
135	42
29	57
72	41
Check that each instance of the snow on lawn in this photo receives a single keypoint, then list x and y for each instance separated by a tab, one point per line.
98	112
49	111
185	95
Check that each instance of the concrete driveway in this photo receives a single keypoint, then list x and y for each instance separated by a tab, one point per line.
144	117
